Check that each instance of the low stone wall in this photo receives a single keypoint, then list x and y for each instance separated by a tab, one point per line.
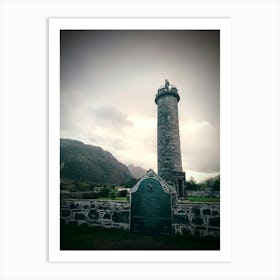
203	193
108	214
197	219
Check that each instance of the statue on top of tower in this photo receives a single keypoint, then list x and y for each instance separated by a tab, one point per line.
166	85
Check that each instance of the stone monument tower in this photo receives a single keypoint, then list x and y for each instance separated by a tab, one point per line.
168	138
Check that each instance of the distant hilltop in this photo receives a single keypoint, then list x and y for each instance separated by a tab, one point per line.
136	171
82	162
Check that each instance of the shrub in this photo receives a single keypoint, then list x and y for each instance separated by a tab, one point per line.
113	193
123	193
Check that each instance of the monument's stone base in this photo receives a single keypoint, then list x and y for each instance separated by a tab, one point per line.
196	219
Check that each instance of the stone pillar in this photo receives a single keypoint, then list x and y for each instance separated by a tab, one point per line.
168	139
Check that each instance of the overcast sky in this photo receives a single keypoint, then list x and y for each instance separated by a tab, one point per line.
109	80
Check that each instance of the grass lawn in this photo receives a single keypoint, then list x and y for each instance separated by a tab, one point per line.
191	198
115	199
93	238
203	199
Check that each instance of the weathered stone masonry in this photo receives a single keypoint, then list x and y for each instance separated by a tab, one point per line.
108	214
169	151
197	219
168	139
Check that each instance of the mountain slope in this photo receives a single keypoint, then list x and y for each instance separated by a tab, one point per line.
81	162
136	171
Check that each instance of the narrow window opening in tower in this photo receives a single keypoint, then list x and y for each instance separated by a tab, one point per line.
180	189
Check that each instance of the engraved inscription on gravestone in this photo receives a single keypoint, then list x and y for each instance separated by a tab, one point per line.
150	209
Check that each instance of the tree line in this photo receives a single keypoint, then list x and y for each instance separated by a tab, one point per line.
212	184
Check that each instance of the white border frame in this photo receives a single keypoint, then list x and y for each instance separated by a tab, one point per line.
55	25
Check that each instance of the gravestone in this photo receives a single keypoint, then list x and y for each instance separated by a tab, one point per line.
151	206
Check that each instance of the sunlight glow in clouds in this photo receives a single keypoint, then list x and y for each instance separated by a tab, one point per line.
108	84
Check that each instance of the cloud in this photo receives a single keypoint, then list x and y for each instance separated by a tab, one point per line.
109	117
108	84
116	143
200	146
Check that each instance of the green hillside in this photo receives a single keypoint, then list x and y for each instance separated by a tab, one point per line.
88	163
